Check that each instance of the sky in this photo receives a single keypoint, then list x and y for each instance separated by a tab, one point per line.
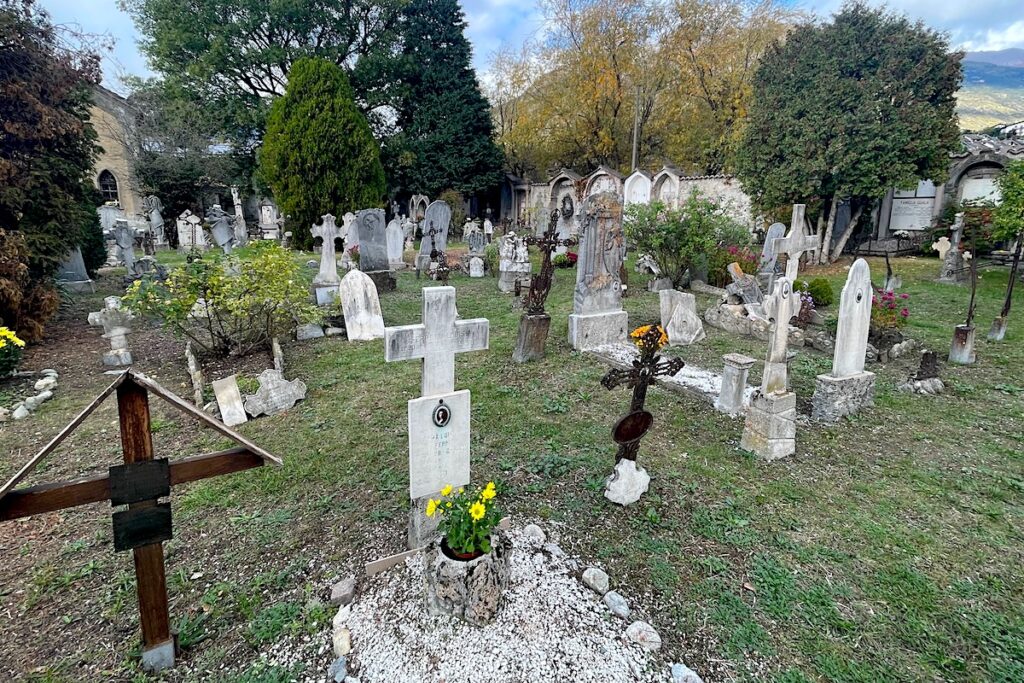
975	25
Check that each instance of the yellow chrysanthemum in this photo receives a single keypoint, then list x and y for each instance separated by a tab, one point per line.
640	331
431	507
488	493
447	490
477	511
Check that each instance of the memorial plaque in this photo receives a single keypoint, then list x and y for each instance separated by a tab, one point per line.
438	443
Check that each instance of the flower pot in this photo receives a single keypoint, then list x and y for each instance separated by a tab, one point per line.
467	588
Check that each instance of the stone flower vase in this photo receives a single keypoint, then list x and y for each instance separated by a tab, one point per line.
468	589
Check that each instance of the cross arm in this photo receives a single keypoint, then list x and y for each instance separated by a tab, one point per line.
35	500
404	342
472	335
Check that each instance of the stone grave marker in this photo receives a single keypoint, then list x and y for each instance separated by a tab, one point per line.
437	217
848	388
769	255
124	237
597	316
361	307
222	227
795	243
736	367
396	243
679	317
476	267
325	284
373	241
439	420
115	322
513	264
477	242
190	232
770	429
73	274
954	270
275	395
229	400
349	231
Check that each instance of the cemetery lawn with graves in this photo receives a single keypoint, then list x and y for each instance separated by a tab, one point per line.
889	548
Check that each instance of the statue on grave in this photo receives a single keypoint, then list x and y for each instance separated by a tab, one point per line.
221	227
568	208
153	207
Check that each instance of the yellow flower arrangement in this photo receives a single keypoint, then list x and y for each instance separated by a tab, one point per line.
10	350
467	518
651	337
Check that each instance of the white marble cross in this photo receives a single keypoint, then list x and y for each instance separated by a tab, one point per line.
795	243
781	305
942	245
437	340
328	231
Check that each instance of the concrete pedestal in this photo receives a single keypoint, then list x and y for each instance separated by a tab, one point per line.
961	351
422	529
533	334
836	397
588	332
770	429
734	383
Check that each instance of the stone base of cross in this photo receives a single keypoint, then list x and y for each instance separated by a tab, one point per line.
439	420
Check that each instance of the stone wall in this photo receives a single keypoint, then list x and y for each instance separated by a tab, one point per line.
107	115
725	190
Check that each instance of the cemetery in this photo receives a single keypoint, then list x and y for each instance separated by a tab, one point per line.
382	412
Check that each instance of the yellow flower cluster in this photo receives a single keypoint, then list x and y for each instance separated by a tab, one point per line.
477	509
639	333
8	337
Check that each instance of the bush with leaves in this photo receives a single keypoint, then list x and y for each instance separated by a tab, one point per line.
26	302
10	351
820	290
677	238
229	305
720	257
455	200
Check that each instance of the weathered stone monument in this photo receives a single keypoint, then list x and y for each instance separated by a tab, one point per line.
190	232
439	419
770	429
241	232
222	228
153	208
953	269
769	256
73	274
476	267
476	242
848	388
735	369
229	401
373	248
124	236
349	231
513	264
679	317
597	316
795	243
361	307
116	324
435	225
325	284
275	395
396	244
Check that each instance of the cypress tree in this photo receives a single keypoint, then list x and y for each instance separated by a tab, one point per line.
318	154
446	135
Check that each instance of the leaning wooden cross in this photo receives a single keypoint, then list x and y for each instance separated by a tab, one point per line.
139	484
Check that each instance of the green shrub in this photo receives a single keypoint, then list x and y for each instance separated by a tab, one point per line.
561	261
491	258
820	290
458	204
243	300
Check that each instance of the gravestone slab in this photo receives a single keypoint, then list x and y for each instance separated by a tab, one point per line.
769	255
514	264
597	318
396	243
361	307
229	400
679	317
438	217
73	274
275	395
373	240
438	443
744	286
124	237
477	242
476	267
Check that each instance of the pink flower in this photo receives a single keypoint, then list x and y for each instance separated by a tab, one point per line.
905	313
904	296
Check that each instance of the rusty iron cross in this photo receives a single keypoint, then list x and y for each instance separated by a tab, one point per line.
540	286
645	371
443	270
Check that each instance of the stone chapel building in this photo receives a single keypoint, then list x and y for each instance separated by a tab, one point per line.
111	115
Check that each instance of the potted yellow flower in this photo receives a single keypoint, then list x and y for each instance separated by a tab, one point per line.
467	568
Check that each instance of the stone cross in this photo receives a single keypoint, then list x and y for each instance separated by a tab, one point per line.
942	245
795	243
124	236
769	255
115	322
854	321
438	420
781	305
328	231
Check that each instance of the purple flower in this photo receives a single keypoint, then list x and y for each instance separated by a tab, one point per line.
905	313
904	296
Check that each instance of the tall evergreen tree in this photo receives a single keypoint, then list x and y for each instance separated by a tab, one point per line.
445	135
318	154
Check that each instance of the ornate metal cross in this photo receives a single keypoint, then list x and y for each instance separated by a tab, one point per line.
634	425
540	286
442	271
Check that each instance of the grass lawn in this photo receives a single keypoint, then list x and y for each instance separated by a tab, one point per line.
889	548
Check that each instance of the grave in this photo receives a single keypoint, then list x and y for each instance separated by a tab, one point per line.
222	228
476	267
116	322
795	243
325	284
373	248
514	263
349	231
190	232
396	244
770	428
439	420
597	316
953	269
275	394
436	220
229	400
241	232
769	255
360	305
848	388
73	275
679	317
124	237
138	484
732	396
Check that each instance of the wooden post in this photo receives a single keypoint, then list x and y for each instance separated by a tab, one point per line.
158	647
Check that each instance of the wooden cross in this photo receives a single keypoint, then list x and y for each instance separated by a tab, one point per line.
781	305
540	286
643	374
139	484
437	339
796	243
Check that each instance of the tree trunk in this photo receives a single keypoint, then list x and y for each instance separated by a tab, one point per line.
826	239
837	252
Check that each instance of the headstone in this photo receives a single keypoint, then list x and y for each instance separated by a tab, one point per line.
396	243
848	388
222	227
679	317
270	222
437	217
769	255
954	269
190	232
770	429
153	207
73	274
736	367
124	236
476	267
477	242
373	241
795	243
229	400
514	262
349	231
439	444
361	307
942	246
115	322
275	395
744	286
325	284
109	215
597	316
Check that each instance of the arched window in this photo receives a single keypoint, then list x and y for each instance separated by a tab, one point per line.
108	186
